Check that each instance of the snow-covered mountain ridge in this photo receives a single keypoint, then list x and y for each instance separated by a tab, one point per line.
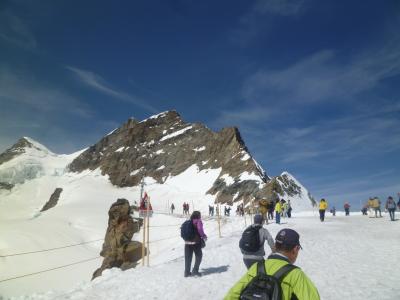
158	149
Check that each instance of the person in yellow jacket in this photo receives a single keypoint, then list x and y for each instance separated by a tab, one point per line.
295	285
278	211
323	205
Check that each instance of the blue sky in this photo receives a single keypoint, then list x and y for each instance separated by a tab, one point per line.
314	86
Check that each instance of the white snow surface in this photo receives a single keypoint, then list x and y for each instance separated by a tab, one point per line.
176	133
228	179
120	149
198	149
346	258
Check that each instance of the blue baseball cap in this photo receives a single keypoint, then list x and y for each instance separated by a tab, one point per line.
288	237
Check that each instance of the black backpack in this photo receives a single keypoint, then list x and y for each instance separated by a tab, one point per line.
266	287
188	232
250	241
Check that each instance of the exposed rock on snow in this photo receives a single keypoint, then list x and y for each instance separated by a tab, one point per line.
6	186
53	199
118	248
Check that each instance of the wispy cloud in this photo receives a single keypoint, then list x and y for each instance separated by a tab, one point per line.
258	18
21	87
98	83
321	77
13	30
279	7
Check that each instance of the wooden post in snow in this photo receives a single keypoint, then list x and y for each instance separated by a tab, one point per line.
144	241
148	231
244	214
219	220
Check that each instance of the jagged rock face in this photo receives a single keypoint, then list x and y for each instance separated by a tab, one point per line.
164	146
53	199
6	186
15	150
118	248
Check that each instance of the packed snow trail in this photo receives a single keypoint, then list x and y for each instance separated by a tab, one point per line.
346	257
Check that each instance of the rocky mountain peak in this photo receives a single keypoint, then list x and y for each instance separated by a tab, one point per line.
164	146
21	146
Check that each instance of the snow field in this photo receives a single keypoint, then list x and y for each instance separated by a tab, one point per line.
346	257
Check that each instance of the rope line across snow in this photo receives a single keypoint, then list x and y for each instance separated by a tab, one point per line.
51	249
43	271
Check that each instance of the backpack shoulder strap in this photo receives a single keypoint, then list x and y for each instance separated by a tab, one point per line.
282	272
261	267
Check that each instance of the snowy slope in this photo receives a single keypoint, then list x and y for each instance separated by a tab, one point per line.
33	161
338	263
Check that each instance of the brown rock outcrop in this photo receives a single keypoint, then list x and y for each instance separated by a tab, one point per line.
118	248
53	199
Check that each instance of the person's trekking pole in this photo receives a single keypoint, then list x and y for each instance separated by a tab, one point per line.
244	214
219	221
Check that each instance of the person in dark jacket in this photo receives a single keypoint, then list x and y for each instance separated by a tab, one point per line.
194	246
347	208
391	207
249	258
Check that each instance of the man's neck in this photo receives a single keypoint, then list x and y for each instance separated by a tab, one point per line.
281	254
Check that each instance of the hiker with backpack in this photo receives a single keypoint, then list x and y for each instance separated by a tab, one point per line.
391	207
252	242
289	209
277	277
347	208
193	234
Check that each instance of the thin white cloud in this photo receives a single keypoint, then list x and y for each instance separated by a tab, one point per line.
14	30
279	7
258	19
21	87
320	77
96	82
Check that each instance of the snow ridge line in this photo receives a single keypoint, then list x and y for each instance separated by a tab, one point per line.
45	250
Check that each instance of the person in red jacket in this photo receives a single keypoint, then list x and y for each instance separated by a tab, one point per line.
347	208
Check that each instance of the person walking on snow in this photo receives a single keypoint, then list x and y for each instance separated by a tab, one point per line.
194	246
289	209
251	257
347	208
284	209
295	285
391	207
376	204
323	205
172	208
278	211
333	211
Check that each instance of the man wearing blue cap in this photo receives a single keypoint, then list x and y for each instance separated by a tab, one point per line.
293	281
